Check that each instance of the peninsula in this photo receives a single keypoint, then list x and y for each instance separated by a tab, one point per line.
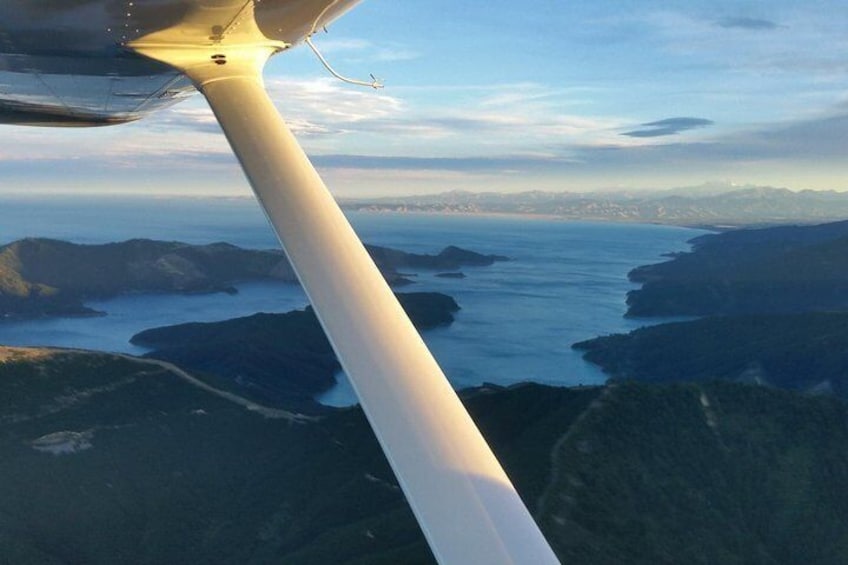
785	269
46	277
802	352
776	307
284	359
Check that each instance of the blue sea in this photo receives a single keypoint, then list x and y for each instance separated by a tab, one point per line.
564	282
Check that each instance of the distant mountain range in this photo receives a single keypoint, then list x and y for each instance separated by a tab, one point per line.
713	205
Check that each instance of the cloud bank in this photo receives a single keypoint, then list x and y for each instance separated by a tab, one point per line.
754	24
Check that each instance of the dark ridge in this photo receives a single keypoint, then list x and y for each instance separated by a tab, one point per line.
786	269
281	358
450	258
47	277
639	474
802	352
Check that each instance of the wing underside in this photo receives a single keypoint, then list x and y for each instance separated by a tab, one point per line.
66	62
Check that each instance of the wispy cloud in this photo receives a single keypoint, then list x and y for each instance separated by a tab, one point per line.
492	164
793	43
357	50
499	118
769	147
564	104
800	143
341	45
754	24
668	126
328	100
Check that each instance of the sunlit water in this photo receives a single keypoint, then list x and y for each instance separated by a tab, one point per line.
565	282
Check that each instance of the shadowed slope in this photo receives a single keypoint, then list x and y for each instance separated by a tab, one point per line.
165	472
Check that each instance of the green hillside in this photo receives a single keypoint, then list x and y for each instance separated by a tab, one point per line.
48	277
281	358
784	269
151	469
41	277
804	352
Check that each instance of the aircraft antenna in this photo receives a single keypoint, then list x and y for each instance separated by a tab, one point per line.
375	84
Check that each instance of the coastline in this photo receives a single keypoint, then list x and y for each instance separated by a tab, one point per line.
710	227
567	282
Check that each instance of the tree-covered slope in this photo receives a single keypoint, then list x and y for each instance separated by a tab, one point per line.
795	351
157	470
774	270
716	473
47	277
281	358
52	277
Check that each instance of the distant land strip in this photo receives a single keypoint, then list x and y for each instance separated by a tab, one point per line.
711	206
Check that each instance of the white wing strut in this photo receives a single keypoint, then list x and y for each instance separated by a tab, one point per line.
468	509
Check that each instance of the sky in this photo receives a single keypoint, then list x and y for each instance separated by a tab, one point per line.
510	96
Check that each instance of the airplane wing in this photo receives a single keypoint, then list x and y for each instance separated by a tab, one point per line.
93	62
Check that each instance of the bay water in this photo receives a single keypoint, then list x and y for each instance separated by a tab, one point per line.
564	282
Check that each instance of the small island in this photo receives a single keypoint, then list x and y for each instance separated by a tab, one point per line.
449	258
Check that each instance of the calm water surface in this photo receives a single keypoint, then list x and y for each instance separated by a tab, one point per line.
565	282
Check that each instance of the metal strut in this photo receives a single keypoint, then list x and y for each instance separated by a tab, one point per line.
467	508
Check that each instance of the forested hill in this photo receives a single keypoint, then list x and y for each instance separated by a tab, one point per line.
46	277
772	270
776	302
106	459
285	358
803	352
